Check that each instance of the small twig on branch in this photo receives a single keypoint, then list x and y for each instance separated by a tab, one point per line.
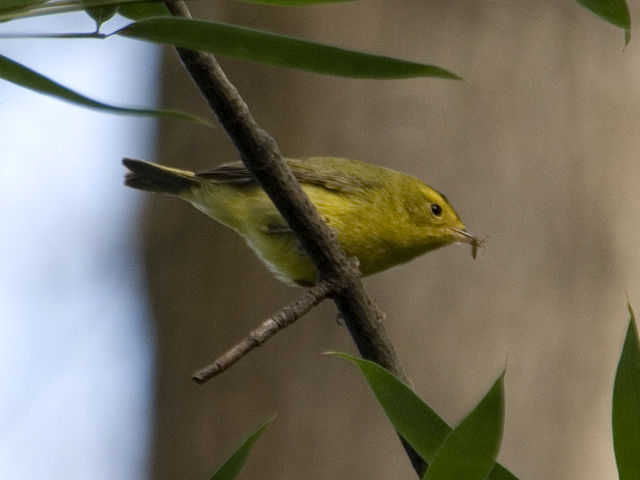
266	330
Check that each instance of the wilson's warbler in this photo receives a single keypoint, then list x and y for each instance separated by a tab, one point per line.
380	216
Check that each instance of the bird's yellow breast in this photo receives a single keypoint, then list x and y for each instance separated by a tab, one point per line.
380	216
379	232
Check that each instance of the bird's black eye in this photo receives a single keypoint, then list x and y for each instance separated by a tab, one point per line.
436	209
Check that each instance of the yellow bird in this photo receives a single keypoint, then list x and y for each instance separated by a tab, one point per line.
380	216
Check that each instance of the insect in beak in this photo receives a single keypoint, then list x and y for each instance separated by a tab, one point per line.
462	235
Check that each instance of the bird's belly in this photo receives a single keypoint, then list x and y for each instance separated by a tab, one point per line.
284	256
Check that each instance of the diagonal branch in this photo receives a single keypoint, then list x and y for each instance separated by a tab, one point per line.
260	153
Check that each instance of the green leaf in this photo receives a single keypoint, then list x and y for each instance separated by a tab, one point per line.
498	472
470	451
17	73
140	10
272	49
412	418
232	465
101	14
625	415
10	4
615	12
19	4
11	7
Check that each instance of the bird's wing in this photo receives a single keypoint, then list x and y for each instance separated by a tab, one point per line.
317	171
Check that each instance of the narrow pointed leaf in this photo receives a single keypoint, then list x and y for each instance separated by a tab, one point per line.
625	416
470	451
102	14
412	418
233	465
277	50
498	472
615	12
8	4
19	4
11	7
137	11
17	73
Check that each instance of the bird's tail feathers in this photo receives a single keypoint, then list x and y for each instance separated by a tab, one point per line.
157	178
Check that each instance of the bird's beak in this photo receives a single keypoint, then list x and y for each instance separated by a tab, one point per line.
462	235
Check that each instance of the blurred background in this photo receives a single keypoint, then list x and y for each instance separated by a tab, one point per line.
537	150
76	337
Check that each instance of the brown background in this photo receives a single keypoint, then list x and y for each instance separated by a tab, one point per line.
537	149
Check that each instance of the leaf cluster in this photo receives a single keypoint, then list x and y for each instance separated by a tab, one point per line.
469	451
151	23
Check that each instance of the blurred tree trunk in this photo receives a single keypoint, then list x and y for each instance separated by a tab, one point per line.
537	150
